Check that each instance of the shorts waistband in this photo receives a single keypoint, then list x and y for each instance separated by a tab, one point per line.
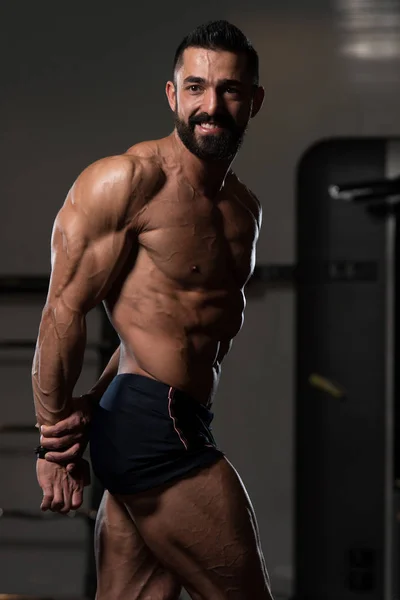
159	389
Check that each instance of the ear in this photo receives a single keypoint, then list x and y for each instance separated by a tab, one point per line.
258	100
171	94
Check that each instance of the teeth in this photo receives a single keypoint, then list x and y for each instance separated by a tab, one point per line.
208	125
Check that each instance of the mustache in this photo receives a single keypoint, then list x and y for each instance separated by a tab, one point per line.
222	120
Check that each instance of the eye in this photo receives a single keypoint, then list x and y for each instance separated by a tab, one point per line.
232	90
194	88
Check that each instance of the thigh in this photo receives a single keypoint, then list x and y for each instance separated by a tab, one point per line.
126	567
203	528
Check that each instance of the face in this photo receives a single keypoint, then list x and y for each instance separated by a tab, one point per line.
213	99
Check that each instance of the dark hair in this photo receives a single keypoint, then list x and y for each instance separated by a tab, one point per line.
219	35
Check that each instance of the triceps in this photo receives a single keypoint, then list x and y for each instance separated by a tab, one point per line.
91	268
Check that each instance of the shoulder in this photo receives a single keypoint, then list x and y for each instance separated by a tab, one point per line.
111	190
248	198
118	177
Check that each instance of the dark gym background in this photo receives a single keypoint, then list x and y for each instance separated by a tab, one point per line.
79	81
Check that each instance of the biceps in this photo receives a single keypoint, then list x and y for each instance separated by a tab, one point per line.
83	270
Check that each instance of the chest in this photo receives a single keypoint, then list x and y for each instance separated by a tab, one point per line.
197	242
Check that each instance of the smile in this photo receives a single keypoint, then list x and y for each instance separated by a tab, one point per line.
209	127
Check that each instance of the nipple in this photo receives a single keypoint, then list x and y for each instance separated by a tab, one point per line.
195	269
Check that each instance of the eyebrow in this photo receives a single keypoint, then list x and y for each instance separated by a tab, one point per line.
221	82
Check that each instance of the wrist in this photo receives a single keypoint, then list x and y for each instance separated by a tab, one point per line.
40	452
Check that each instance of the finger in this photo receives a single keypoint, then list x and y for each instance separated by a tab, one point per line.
58	498
77	499
70	467
58	443
67	497
62	427
47	498
66	456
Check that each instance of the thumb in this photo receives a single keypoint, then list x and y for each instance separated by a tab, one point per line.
77	499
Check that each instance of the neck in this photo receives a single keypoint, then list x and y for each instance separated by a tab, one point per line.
206	177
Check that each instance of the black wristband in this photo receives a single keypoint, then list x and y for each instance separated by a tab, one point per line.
40	452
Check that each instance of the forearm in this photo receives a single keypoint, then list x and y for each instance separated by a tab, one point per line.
57	362
106	377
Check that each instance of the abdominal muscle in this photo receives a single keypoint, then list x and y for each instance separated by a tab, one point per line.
178	338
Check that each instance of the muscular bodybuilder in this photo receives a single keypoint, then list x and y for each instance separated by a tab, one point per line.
164	235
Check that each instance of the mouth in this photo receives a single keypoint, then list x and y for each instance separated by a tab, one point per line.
210	127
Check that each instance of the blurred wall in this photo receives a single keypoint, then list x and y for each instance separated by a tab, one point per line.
81	81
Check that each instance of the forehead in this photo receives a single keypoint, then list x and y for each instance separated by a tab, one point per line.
213	65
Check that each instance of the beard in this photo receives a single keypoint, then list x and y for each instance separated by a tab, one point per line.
208	147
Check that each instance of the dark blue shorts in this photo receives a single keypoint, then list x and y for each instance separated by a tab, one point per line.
145	433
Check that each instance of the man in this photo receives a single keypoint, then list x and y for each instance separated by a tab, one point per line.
164	236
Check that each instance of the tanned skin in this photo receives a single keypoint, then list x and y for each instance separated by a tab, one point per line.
166	241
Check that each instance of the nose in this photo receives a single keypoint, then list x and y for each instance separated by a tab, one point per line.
212	101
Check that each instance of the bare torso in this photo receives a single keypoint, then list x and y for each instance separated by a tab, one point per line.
179	299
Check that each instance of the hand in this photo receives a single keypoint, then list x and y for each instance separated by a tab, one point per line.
62	491
67	440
